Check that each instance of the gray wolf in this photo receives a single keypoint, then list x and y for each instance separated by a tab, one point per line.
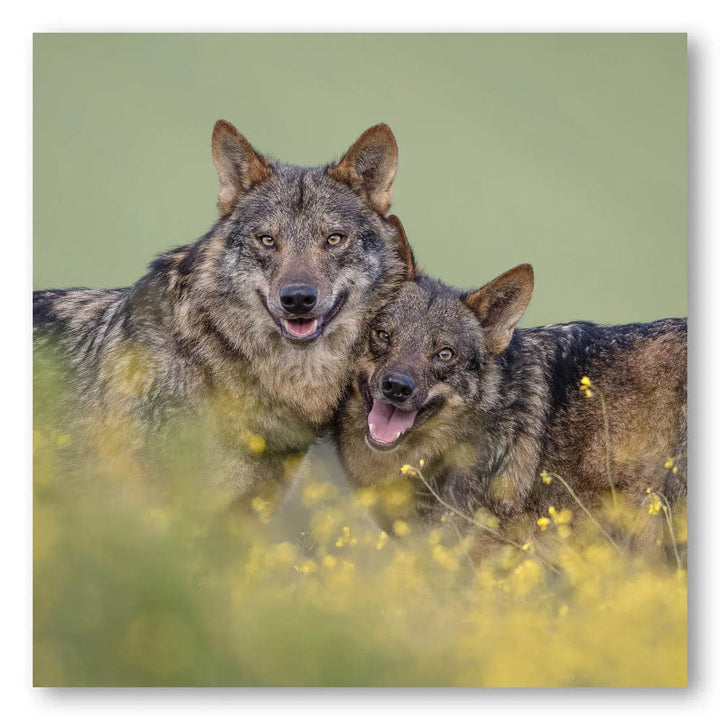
255	324
448	384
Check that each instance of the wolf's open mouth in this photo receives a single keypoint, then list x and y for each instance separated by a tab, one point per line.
302	329
386	423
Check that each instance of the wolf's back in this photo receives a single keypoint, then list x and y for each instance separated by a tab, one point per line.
640	373
81	320
71	307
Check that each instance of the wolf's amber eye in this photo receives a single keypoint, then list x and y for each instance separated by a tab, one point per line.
444	355
335	239
383	336
267	240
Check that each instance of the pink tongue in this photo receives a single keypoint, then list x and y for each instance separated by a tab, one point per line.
301	328
386	421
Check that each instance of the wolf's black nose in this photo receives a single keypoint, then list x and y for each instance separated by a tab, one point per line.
396	386
298	298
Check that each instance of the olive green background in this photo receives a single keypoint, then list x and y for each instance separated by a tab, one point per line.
566	151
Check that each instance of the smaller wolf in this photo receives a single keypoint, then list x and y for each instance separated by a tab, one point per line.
448	384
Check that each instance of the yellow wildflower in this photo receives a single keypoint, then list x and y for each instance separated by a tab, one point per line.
366	497
485	519
256	444
397	497
543	523
546	477
408	470
382	540
345	539
317	492
401	528
528	573
261	507
323	526
292	463
307	567
444	557
655	505
562	517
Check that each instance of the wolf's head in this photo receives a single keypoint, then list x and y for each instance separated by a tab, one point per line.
305	250
429	362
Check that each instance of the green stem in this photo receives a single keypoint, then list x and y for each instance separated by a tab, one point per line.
668	518
587	512
462	547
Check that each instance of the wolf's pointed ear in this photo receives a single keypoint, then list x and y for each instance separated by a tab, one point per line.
404	249
239	167
369	166
500	304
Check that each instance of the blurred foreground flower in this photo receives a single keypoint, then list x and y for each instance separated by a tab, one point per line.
382	540
256	444
262	508
562	520
317	492
307	566
346	538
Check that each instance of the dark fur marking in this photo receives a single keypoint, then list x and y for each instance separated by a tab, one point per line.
44	307
212	330
188	262
300	199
